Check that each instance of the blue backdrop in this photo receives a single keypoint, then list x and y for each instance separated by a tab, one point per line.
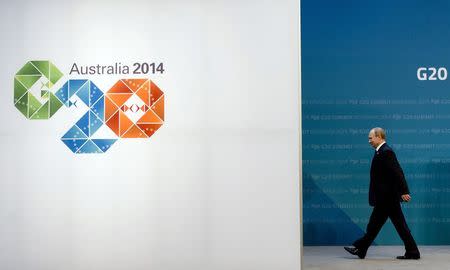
359	70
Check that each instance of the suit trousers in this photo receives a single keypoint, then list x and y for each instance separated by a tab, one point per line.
379	216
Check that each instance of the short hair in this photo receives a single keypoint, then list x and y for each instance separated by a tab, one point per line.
379	132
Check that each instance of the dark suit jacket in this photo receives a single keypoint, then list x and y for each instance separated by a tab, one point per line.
387	181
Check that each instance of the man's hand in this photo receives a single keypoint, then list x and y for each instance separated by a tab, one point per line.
406	197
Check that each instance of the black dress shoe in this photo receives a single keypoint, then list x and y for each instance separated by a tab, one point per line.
356	251
409	257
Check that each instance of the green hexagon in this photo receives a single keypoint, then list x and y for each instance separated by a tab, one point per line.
24	80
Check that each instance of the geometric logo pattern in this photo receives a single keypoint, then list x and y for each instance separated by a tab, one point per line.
134	97
132	108
79	138
25	101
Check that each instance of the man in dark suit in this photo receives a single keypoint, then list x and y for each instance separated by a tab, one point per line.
387	189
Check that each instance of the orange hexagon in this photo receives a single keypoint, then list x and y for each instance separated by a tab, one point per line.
134	108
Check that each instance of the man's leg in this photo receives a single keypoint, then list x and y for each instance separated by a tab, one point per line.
377	219
398	219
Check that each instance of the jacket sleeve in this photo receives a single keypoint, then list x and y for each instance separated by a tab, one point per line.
394	168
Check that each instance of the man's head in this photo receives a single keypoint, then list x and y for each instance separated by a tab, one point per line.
376	136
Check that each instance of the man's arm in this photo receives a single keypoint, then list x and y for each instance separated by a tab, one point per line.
399	177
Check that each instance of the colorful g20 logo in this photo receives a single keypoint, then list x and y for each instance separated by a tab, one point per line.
131	108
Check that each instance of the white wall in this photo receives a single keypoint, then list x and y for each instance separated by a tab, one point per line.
217	187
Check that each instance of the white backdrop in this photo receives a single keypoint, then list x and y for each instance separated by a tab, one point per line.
217	187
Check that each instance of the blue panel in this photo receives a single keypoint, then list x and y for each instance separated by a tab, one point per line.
89	148
359	62
94	124
95	94
73	144
74	133
63	93
75	85
83	93
99	108
104	144
83	123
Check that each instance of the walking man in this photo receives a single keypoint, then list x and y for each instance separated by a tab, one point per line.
387	189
